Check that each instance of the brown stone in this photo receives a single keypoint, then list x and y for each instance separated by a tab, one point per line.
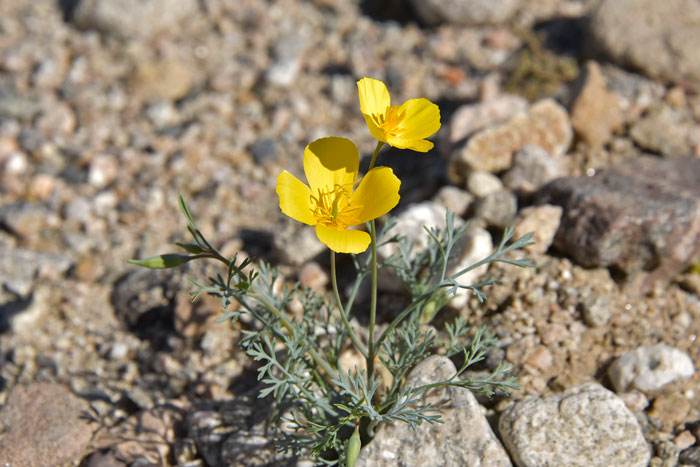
596	111
546	124
540	358
170	79
43	424
670	409
542	221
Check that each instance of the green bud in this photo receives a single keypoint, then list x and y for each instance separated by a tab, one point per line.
428	312
190	248
352	450
171	260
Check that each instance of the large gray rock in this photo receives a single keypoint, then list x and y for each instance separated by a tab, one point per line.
128	19
641	216
464	438
585	426
43	424
659	38
465	11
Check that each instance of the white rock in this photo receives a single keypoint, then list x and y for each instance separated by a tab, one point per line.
477	245
163	114
464	438
283	73
585	426
481	184
104	169
474	246
17	163
649	368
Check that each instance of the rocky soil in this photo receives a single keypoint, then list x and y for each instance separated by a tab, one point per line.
576	119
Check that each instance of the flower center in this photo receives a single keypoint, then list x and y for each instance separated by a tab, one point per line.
333	207
390	122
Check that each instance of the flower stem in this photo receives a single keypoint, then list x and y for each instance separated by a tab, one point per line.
374	156
373	298
343	312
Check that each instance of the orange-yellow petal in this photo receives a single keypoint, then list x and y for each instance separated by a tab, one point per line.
329	162
374	96
377	194
419	145
295	198
343	241
376	132
421	119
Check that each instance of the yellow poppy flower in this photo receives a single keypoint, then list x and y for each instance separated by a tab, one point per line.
405	126
330	202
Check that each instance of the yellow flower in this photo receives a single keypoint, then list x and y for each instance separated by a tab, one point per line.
330	202
405	126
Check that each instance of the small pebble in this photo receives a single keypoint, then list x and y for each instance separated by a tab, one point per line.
684	440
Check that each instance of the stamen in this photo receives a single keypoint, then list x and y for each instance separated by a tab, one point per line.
332	207
390	122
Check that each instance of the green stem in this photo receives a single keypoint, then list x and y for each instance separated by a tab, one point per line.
373	300
343	312
374	156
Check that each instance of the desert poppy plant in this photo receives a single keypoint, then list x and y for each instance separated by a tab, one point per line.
330	202
402	126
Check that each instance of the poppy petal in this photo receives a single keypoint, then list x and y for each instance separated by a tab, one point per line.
343	241
377	194
329	162
295	198
421	119
374	96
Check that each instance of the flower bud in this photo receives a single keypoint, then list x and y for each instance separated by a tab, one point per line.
190	248
352	451
171	260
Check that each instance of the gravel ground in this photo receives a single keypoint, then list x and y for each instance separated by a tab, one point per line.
109	109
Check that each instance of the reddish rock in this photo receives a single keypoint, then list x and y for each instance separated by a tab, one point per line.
43	424
641	217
